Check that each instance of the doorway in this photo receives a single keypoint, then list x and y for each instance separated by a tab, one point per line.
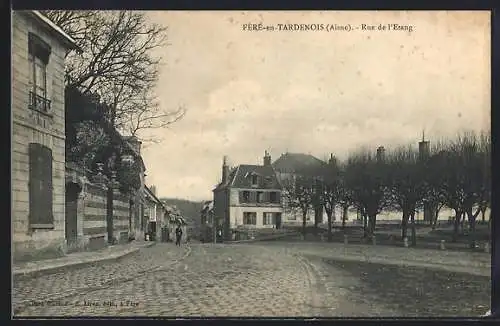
71	218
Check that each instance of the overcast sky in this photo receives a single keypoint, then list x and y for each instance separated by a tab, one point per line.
311	92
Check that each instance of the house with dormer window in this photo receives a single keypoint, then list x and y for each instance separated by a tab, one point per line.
248	196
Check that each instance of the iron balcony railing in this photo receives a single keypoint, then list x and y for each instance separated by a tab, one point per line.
39	103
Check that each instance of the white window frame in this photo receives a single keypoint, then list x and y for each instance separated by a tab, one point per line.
250	214
268	218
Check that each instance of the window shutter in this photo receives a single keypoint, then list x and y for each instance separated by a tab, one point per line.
242	199
40	186
253	196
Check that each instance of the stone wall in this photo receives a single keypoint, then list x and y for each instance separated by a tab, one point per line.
94	227
122	221
93	210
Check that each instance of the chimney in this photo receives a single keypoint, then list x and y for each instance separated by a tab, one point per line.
381	154
153	189
267	159
225	170
134	143
332	159
423	148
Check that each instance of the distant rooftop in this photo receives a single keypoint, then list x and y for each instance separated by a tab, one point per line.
294	162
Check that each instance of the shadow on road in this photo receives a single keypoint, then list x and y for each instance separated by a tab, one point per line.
417	292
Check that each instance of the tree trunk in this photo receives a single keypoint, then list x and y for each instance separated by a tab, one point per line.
413	230
365	224
344	216
317	219
374	223
304	219
456	225
330	237
404	225
462	222
472	225
371	224
435	219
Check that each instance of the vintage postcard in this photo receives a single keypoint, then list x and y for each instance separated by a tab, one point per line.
251	163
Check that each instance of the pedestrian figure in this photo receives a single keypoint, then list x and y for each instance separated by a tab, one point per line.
178	235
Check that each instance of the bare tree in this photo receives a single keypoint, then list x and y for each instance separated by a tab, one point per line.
330	190
433	200
406	179
118	64
485	157
366	179
465	185
299	193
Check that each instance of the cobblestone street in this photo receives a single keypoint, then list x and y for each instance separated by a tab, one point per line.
202	280
210	280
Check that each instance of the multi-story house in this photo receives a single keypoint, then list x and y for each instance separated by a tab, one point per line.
38	138
287	167
249	196
155	213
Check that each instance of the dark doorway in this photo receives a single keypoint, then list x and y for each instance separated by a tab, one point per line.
278	220
71	218
152	230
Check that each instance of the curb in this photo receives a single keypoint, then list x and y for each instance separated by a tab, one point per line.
477	271
261	239
29	273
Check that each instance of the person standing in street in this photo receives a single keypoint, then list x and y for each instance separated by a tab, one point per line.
178	235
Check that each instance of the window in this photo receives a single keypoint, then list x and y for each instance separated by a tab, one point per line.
269	219
38	59
250	218
253	197
255	180
245	196
40	186
273	197
260	197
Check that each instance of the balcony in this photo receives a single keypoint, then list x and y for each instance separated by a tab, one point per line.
39	103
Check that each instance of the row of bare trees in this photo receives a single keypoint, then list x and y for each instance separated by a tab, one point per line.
454	173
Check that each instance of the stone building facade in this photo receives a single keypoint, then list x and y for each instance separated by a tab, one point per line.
248	197
38	140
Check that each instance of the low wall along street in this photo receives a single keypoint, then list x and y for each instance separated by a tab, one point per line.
88	223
